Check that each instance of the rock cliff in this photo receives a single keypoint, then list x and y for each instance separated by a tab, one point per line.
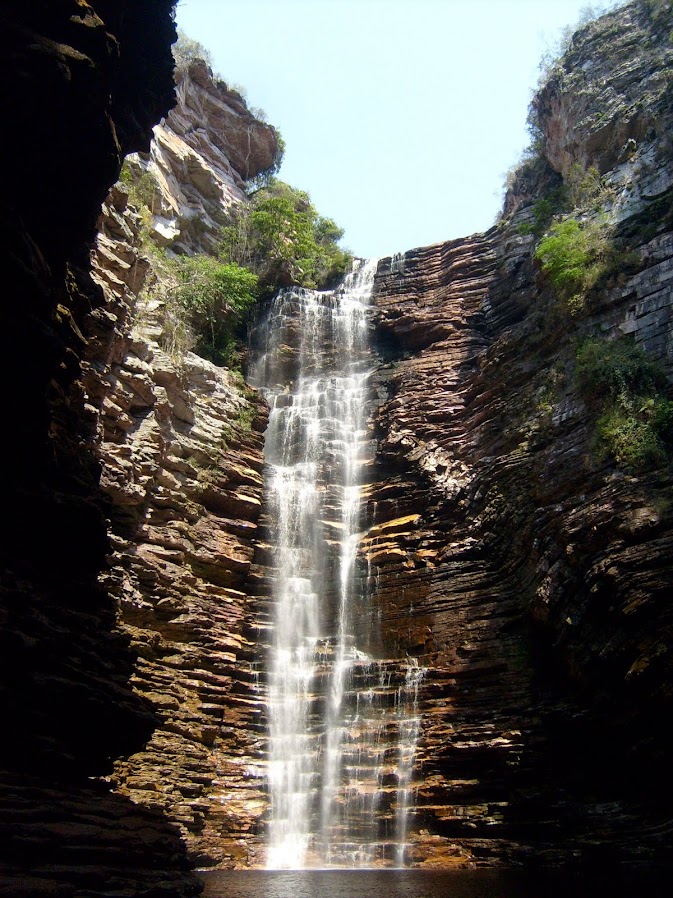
525	570
530	574
201	155
179	442
75	107
180	446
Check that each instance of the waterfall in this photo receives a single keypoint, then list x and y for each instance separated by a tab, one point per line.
342	725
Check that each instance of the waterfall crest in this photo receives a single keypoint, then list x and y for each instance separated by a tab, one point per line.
342	726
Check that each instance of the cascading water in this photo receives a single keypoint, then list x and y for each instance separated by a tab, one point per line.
342	726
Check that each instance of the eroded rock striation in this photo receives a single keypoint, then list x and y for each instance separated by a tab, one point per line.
529	575
179	441
75	107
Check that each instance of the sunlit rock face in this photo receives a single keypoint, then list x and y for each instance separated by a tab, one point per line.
528	574
179	442
201	155
608	100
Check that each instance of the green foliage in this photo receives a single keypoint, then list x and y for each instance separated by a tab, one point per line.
264	178
544	209
176	336
144	191
276	239
635	423
216	298
609	369
144	194
281	237
583	187
240	422
186	50
637	434
575	256
141	185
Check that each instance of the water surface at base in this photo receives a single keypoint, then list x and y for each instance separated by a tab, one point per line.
429	884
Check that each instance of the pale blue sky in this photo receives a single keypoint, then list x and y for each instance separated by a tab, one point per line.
401	117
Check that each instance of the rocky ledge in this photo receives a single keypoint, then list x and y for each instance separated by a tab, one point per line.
201	156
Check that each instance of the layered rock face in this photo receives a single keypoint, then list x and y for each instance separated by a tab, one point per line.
530	576
75	106
179	441
180	446
201	155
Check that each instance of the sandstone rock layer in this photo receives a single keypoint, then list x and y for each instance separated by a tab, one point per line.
526	572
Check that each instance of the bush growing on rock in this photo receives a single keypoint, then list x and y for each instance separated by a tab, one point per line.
575	256
216	298
608	368
635	420
282	238
186	50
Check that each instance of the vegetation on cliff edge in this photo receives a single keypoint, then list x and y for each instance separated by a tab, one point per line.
282	238
277	239
583	250
634	423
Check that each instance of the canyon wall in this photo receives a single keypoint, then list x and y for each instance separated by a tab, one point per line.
528	572
179	441
525	570
87	82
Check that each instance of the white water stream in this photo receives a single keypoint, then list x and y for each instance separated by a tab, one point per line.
342	726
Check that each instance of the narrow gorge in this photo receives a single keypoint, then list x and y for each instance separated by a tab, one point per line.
396	597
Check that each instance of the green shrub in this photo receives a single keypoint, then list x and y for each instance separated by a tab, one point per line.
580	189
584	187
611	368
637	433
177	336
574	256
546	207
216	298
281	237
144	194
186	50
627	387
240	422
141	184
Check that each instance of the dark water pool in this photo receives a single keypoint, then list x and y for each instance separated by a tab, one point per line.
430	884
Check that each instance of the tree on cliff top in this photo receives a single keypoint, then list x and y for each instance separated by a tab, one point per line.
281	236
186	50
